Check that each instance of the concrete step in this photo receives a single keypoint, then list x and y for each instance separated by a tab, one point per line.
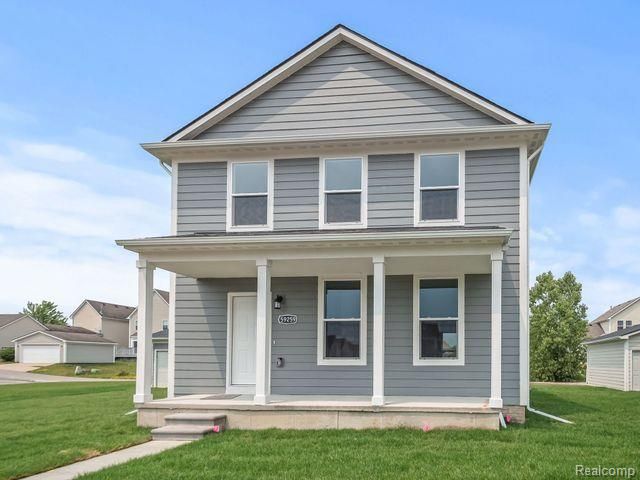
181	432
195	418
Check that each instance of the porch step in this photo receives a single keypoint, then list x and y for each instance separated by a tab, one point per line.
194	418
189	426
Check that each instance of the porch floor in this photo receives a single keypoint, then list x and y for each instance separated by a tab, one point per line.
322	402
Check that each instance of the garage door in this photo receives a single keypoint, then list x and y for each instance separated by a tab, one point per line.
40	353
162	361
635	371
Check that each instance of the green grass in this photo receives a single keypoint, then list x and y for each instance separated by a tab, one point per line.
119	369
47	425
606	433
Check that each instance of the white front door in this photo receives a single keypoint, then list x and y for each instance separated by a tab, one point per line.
243	340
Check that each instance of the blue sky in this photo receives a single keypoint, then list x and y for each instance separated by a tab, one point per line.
83	83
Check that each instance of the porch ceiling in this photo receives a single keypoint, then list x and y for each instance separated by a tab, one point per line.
460	250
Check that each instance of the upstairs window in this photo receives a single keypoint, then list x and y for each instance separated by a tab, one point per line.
249	203
620	324
342	193
629	323
438	322
438	188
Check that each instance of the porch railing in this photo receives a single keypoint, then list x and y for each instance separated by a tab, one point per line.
124	352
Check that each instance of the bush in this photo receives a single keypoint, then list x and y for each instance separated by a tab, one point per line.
8	354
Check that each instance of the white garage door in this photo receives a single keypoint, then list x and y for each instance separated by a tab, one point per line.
40	353
161	368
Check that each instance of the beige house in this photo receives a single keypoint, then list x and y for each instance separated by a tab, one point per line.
160	317
14	325
618	317
109	319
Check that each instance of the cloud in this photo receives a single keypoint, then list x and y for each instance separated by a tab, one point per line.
49	151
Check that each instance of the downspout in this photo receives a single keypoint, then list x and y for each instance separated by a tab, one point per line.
548	415
164	167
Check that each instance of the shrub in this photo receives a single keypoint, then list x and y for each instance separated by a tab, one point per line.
8	354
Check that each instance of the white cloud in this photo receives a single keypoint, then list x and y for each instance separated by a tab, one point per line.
591	220
545	234
49	151
626	218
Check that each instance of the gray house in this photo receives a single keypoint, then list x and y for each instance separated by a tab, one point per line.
14	325
349	248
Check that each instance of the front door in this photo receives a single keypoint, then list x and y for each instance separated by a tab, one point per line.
243	340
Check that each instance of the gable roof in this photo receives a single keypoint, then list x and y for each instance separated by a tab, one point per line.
595	330
316	48
617	335
613	311
69	334
8	318
112	311
163	293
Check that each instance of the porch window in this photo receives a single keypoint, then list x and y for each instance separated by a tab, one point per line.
342	193
438	193
341	329
438	326
249	202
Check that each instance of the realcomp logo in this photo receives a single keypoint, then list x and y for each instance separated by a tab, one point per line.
600	471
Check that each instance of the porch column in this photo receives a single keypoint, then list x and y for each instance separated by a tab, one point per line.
263	332
378	331
496	329
144	364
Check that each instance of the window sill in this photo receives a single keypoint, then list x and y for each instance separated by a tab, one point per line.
443	362
340	226
438	223
250	228
343	362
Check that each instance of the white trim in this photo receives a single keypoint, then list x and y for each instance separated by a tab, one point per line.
523	279
417	188
155	367
362	360
417	361
496	329
364	176
230	387
270	187
171	340
144	359
379	313
263	332
627	365
316	49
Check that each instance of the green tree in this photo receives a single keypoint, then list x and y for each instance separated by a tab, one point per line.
558	328
45	312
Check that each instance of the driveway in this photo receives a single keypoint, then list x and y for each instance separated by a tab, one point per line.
18	373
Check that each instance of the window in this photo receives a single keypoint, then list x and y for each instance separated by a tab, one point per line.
628	324
438	321
342	336
343	192
249	205
165	324
620	324
439	196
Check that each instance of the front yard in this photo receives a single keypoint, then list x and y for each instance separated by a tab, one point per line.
48	425
121	369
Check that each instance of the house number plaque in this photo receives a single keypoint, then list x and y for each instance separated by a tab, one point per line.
287	319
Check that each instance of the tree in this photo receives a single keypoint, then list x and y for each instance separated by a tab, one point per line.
558	328
45	312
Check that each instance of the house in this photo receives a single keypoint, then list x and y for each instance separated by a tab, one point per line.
14	325
613	356
619	317
349	248
160	335
64	344
108	319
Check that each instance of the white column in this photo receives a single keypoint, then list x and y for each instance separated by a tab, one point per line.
144	364
263	329
496	329
378	331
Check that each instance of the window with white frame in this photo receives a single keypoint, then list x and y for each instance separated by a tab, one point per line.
165	324
250	191
620	324
438	321
438	188
341	325
343	192
628	324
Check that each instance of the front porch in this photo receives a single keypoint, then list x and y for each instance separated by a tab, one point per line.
324	411
297	381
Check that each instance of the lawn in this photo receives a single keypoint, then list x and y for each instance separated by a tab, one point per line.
120	369
606	432
46	425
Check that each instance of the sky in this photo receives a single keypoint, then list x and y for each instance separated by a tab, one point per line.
82	84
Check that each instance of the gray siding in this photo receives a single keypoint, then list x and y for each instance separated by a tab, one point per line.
95	353
17	329
201	332
346	90
202	197
296	184
492	198
605	365
390	190
473	379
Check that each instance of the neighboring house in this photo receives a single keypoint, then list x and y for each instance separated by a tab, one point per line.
13	325
613	359
350	226
613	348
160	335
64	344
619	317
108	319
